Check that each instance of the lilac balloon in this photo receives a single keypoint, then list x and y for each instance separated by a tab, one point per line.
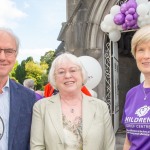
132	23
127	23
129	17
135	26
126	13
119	19
124	26
123	8
135	15
131	11
131	4
128	28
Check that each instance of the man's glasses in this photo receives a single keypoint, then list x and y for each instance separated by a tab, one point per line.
8	52
62	72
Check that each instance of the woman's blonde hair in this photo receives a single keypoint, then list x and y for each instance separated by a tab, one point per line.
140	36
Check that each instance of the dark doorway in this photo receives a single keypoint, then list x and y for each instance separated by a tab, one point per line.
129	75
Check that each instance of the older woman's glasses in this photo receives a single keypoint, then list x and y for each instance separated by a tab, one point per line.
8	52
62	72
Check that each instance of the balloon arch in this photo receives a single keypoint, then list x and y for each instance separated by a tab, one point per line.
130	15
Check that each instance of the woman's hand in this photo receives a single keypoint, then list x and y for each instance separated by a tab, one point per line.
126	144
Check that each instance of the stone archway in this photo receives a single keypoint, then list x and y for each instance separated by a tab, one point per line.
82	35
96	42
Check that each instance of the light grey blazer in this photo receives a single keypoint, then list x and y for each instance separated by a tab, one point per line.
47	126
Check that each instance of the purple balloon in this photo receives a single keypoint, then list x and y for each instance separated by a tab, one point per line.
124	26
132	23
131	11
119	19
123	8
128	28
131	4
135	15
127	23
126	13
135	26
129	17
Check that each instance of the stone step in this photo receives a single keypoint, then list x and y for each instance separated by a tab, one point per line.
120	137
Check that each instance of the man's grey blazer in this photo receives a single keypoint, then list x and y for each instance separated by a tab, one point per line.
21	103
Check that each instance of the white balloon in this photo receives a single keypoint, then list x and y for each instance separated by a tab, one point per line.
111	27
104	27
141	1
148	20
107	28
108	19
119	27
115	10
146	17
142	10
142	78
93	69
93	93
143	20
114	35
140	18
143	23
139	23
107	25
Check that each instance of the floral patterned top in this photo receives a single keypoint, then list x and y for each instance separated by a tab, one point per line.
73	133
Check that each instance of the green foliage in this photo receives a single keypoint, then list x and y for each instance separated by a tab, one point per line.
48	58
12	74
20	72
29	59
37	72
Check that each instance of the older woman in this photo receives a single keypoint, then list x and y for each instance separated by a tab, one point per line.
70	120
136	117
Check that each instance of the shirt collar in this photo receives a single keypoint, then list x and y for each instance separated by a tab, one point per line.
6	85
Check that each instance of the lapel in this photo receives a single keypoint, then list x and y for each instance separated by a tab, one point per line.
14	111
88	110
54	110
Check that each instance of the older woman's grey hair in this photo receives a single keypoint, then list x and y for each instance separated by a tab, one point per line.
59	59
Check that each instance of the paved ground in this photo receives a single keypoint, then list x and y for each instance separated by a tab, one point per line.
120	137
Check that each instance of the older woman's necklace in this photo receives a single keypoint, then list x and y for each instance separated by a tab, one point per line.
71	107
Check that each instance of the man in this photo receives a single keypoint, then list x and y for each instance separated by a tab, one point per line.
29	83
16	101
